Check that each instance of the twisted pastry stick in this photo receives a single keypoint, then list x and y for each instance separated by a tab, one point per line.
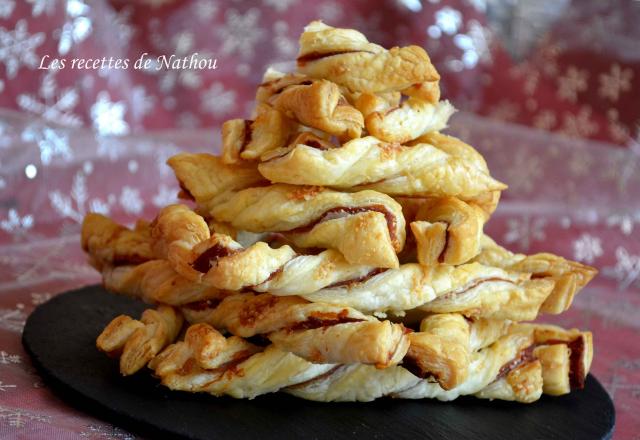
137	342
346	57
247	140
504	362
402	122
569	276
315	103
448	230
109	243
156	282
366	227
203	177
318	332
423	169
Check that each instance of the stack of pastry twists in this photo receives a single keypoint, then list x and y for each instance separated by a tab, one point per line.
335	251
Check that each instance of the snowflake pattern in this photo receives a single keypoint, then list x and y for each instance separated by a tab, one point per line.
165	196
579	124
624	221
108	116
330	11
77	29
7	359
182	44
40	6
51	104
545	120
6	8
13	319
571	83
587	248
240	32
627	269
51	142
217	100
19	418
523	231
17	48
615	82
15	223
280	5
76	204
205	10
131	201
95	431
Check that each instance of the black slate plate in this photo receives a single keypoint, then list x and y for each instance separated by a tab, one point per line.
60	337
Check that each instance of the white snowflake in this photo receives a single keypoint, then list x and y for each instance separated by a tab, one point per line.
580	124
524	231
40	298
205	9
330	11
164	197
141	103
74	205
5	386
51	104
240	32
51	142
182	44
40	6
616	81
108	116
218	101
6	8
188	120
106	431
504	110
624	221
131	201
280	5
13	319
587	248
6	358
571	83
15	224
545	120
17	48
285	45
448	20
627	269
524	172
580	163
475	45
116	24
18	418
77	29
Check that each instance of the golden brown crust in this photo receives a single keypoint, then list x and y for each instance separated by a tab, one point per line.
109	243
366	227
569	277
248	140
345	57
138	342
203	177
320	105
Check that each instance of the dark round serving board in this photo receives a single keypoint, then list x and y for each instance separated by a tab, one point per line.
60	337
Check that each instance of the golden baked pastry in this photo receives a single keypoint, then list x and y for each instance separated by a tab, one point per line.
420	170
346	57
137	342
248	140
366	227
109	243
321	333
569	276
336	252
